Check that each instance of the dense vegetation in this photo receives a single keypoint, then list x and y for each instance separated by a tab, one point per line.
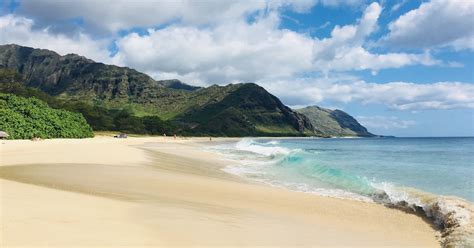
98	117
234	115
246	109
25	118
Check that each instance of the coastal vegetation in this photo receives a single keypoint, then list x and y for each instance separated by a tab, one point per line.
26	118
98	117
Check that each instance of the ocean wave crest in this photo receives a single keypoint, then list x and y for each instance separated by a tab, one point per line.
452	215
265	149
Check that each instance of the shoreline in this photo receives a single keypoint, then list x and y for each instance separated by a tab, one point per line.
173	193
451	215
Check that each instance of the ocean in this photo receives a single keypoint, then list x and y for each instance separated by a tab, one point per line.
433	177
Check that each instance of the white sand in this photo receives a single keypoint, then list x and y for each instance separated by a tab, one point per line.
106	192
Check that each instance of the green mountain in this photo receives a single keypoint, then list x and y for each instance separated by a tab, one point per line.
74	76
246	108
334	122
25	118
104	93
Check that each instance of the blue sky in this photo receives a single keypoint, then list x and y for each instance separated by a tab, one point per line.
402	68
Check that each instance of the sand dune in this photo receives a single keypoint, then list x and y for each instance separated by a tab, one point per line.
140	192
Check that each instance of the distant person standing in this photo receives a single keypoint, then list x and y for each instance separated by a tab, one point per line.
210	138
174	136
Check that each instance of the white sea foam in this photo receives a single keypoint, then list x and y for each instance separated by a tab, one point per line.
390	194
251	146
257	170
272	142
253	170
302	187
246	168
454	216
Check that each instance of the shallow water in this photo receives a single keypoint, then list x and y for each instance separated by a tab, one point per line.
431	175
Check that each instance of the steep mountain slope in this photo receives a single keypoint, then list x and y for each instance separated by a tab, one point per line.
245	108
74	75
235	110
334	122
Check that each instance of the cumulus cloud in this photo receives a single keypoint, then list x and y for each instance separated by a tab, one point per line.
228	51
231	49
19	30
234	52
242	51
114	15
438	23
344	50
385	122
395	95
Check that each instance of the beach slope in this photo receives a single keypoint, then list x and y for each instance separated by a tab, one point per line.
139	192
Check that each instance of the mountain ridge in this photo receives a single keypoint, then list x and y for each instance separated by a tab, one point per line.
72	74
231	110
334	122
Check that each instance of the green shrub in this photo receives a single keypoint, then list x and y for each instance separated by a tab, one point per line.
99	117
25	118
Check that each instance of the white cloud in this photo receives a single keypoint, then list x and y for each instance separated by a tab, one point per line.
236	51
394	95
334	3
398	5
438	23
385	122
114	15
239	51
233	52
19	30
344	50
408	96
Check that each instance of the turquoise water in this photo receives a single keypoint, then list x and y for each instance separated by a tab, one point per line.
427	176
359	166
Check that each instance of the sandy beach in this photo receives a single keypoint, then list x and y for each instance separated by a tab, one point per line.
156	192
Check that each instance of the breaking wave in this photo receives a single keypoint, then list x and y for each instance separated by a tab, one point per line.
273	164
453	216
265	149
